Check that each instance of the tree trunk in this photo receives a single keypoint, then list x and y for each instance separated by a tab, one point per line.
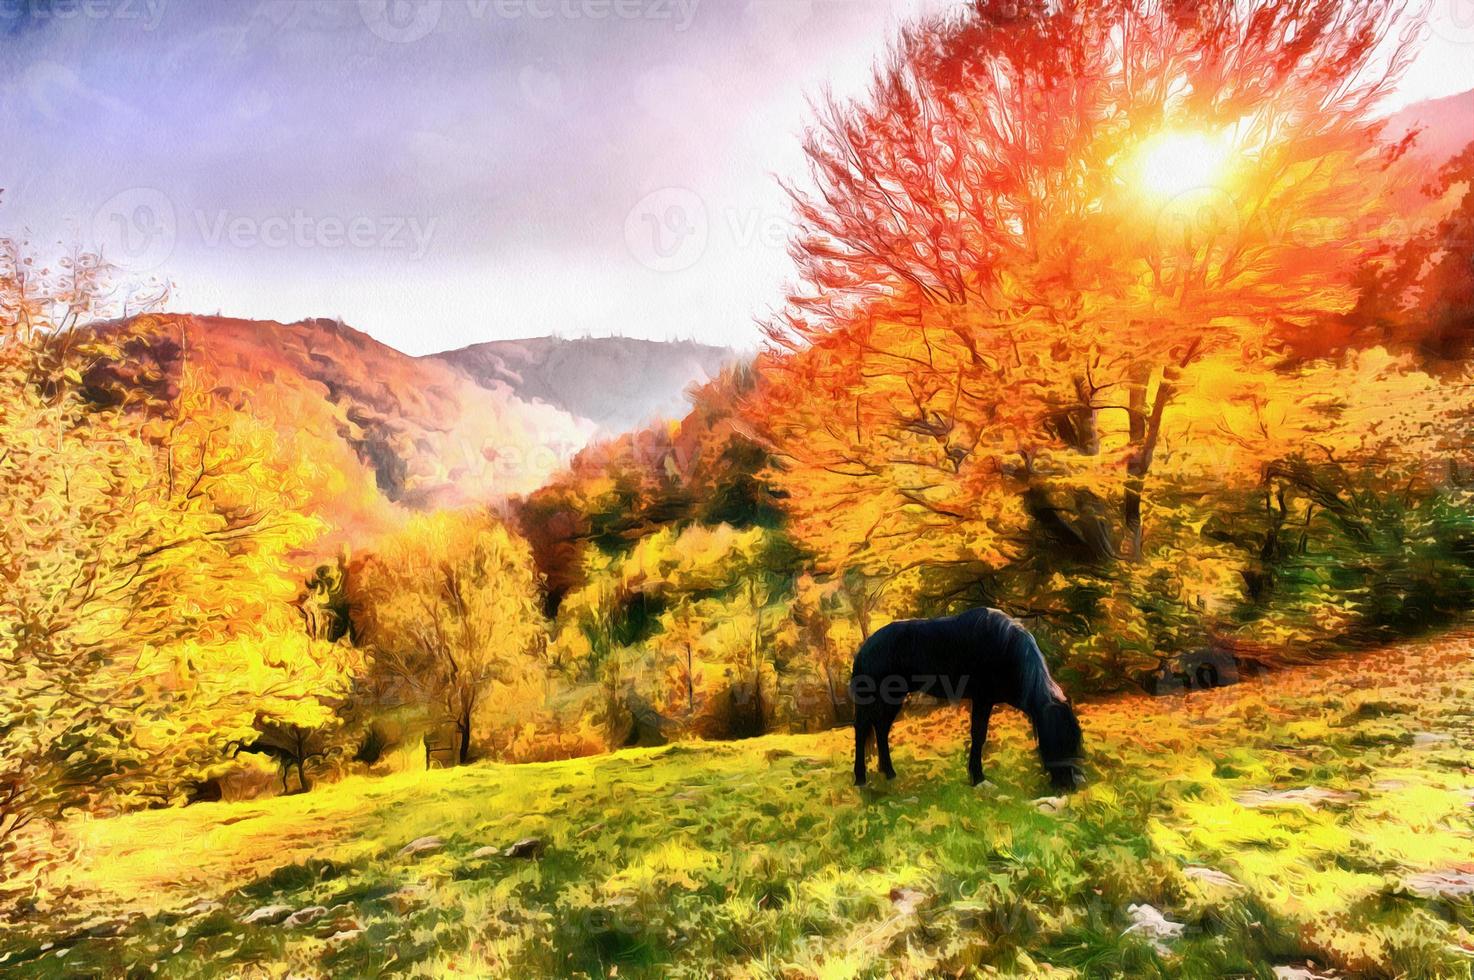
1140	465
757	657
829	690
690	684
1086	432
861	602
464	726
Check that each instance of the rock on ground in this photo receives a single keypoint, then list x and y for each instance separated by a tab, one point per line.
204	906
267	915
1441	884
305	917
1311	796
1212	876
907	900
527	847
422	845
1300	973
1148	921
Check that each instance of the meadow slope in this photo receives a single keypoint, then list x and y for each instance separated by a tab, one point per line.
1320	818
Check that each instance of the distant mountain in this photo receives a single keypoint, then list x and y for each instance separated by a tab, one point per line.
616	383
380	434
1445	126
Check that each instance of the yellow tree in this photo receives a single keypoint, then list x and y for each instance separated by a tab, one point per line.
450	608
137	546
678	649
826	638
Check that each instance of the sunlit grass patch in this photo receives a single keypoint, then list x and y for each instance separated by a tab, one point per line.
1272	822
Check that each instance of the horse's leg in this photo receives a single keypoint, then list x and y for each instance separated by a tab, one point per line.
981	712
863	724
887	718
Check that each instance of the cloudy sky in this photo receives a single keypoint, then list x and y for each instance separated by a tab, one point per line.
439	172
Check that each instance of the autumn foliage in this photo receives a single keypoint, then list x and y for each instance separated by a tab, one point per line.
1128	317
1023	342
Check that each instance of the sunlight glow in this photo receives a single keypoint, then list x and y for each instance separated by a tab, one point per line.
1174	163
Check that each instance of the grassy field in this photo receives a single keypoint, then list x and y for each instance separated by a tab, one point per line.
759	859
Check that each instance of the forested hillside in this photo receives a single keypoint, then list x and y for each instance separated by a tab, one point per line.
1140	324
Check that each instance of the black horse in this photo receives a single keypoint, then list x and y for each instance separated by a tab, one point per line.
983	656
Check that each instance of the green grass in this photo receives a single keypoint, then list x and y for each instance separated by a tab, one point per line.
758	858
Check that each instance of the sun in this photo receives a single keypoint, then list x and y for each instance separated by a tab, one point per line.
1173	163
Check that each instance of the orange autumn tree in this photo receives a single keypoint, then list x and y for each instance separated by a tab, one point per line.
1046	225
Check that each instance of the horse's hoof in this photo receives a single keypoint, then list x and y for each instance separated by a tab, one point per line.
979	779
1066	780
891	774
859	780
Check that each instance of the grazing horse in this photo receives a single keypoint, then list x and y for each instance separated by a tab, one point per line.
983	656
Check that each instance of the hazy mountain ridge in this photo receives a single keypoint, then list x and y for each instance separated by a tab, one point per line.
1445	126
618	383
381	434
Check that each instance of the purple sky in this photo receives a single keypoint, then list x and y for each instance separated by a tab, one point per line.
447	171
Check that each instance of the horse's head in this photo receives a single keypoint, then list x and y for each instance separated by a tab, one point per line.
1059	744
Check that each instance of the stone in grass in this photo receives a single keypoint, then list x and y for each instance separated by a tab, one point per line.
1440	884
527	847
305	917
267	915
1150	923
907	900
482	853
203	906
1278	799
1428	740
421	846
1300	973
1212	877
1051	804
